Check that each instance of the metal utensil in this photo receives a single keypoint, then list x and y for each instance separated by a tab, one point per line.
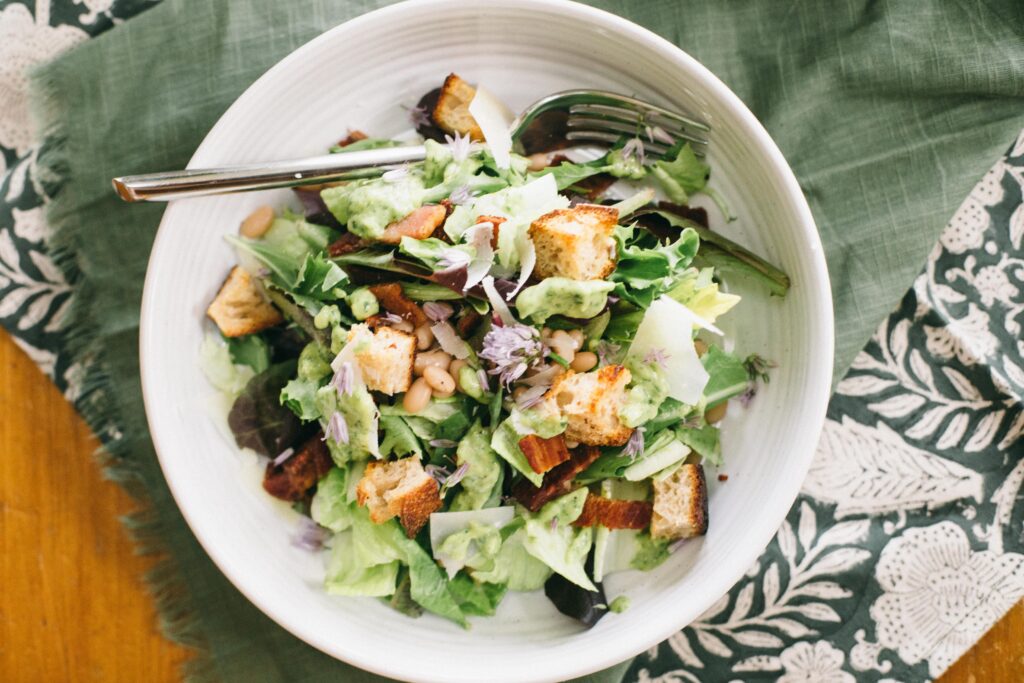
587	116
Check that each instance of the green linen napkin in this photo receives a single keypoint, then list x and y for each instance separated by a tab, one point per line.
887	112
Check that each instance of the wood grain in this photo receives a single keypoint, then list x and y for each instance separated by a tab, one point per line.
72	603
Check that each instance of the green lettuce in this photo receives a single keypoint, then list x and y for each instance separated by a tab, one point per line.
650	552
219	367
513	566
476	598
359	411
562	296
682	175
252	350
483	473
698	292
728	376
399	439
646	392
368	206
551	538
703	439
346	575
331	505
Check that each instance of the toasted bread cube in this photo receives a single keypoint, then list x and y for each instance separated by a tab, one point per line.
240	307
399	488
385	357
575	243
591	402
451	113
681	504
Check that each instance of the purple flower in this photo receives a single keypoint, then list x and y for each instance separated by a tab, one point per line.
634	148
458	146
420	117
392	319
344	379
554	523
482	377
457	475
440	474
676	545
283	456
658	356
658	134
310	536
438	311
606	352
512	349
442	443
461	195
337	428
634	448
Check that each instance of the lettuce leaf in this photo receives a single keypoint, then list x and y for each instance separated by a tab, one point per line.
399	439
551	539
727	376
368	206
682	175
220	369
476	598
698	292
513	566
347	576
331	503
483	473
645	394
359	411
650	552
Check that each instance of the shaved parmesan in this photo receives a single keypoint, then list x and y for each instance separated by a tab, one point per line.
480	237
527	260
667	326
495	121
497	303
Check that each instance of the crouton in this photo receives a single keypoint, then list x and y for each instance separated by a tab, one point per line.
399	488
543	454
575	243
240	307
591	401
393	300
681	504
293	479
385	357
419	225
451	113
614	514
557	481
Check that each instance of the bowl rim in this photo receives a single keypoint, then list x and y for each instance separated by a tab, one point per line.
821	321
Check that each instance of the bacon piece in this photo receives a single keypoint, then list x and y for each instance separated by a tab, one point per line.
543	454
393	300
345	244
468	322
557	481
615	514
293	479
420	224
353	136
496	221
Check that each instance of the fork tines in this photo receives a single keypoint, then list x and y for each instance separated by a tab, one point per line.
658	129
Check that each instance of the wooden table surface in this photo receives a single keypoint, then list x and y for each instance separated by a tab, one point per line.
73	606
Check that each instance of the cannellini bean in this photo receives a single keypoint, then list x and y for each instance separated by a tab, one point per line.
577	337
456	366
257	223
444	394
572	444
584	360
418	396
538	161
438	359
439	379
424	337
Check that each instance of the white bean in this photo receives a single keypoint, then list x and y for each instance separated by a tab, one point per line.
417	397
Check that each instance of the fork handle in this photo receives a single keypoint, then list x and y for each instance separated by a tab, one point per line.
199	182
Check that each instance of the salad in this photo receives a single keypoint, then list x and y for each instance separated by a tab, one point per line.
487	372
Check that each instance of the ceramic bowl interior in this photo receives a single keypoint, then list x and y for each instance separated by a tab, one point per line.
365	74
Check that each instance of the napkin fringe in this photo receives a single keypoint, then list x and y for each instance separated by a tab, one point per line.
148	530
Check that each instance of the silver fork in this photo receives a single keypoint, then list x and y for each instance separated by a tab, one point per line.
585	116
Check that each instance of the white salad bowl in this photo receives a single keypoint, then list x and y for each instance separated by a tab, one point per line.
365	74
